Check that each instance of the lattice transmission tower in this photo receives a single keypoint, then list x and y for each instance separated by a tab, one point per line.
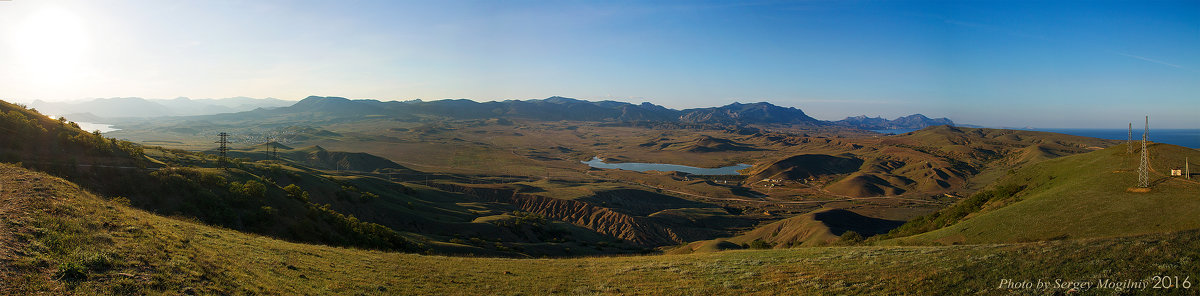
1144	168
224	141
1129	142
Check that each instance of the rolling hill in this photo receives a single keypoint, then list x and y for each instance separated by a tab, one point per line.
315	157
805	166
1078	196
819	228
933	160
59	239
130	219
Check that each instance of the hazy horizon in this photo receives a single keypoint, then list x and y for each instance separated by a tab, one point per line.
817	116
1040	64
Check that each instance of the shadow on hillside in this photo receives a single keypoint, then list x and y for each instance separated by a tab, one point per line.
839	221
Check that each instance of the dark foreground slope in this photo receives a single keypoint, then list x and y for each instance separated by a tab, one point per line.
58	239
820	228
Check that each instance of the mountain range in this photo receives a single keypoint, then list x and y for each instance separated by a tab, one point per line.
915	121
549	109
93	109
560	108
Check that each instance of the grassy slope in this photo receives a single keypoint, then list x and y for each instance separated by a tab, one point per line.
60	239
1083	196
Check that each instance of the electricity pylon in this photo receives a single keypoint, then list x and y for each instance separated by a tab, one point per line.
1129	142
1144	168
224	141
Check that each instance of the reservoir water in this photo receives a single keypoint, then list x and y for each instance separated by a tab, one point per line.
895	131
88	126
103	128
596	162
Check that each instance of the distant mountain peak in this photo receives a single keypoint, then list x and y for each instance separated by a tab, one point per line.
914	121
738	113
562	100
320	98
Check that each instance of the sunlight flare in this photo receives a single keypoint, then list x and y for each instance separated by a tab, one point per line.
50	46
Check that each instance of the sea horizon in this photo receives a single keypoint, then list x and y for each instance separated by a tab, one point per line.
1186	137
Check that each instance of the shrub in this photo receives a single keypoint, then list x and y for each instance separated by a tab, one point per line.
254	189
367	196
850	237
956	212
98	261
121	200
760	244
293	190
71	271
211	178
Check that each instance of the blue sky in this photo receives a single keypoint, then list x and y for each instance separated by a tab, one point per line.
1011	63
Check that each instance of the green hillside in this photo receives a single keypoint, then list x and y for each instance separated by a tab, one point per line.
59	239
1079	196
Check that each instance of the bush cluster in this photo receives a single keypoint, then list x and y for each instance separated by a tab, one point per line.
956	212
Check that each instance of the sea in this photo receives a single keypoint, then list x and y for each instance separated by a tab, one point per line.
1183	137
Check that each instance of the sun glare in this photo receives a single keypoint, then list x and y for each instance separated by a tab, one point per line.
50	46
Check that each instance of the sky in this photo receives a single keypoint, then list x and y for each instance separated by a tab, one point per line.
1071	64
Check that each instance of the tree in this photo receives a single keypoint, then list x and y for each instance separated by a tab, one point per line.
254	189
295	192
760	244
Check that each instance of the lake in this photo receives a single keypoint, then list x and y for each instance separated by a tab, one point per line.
596	162
103	128
88	126
896	131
